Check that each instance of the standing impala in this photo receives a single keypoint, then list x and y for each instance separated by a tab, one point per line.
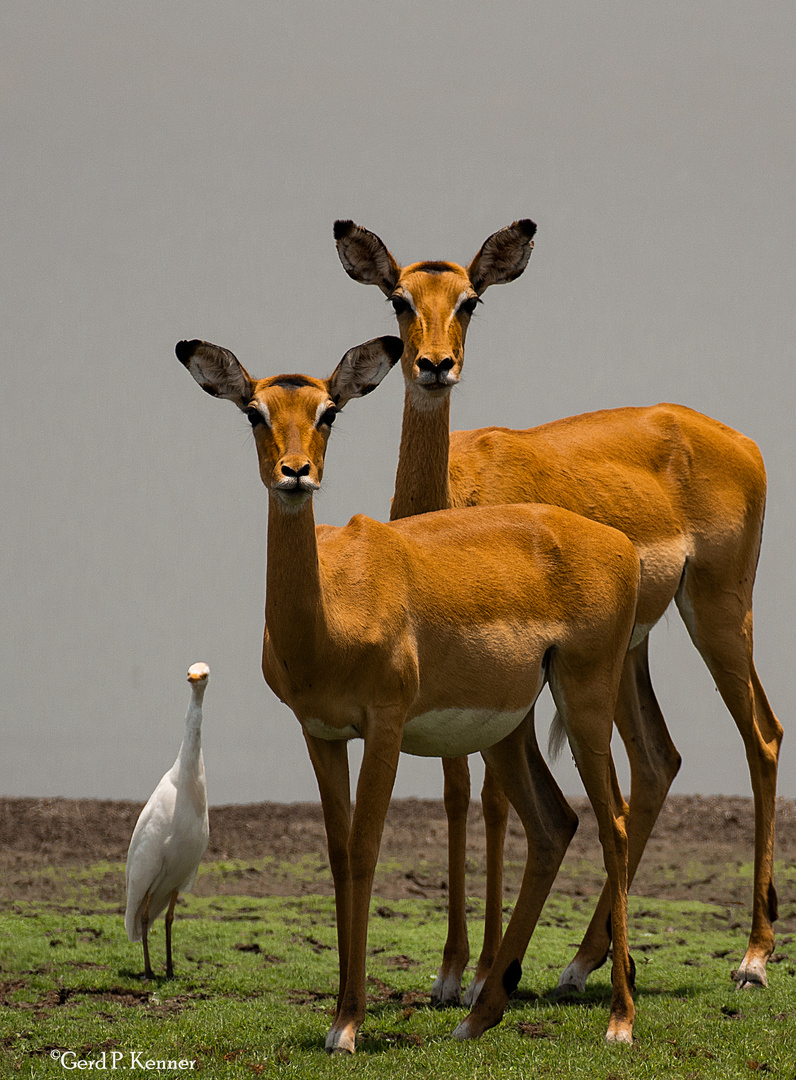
434	635
690	494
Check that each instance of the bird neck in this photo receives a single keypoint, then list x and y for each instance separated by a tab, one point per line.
192	743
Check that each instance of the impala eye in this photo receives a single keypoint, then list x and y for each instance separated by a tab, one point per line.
328	417
255	416
468	306
399	305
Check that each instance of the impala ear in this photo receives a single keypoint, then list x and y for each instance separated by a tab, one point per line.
503	256
363	367
365	257
216	370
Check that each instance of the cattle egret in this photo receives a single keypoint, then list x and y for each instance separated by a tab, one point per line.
171	834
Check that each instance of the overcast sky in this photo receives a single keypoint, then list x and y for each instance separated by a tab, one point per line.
172	170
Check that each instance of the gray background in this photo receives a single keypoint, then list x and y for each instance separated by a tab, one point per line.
173	170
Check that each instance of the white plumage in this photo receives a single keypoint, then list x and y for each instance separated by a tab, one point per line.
171	834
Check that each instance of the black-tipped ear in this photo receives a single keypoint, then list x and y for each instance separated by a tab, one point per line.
394	348
217	371
343	228
503	256
184	350
363	367
364	257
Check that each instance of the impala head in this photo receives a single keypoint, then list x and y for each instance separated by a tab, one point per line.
291	415
434	301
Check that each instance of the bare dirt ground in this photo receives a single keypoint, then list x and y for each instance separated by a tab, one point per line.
695	852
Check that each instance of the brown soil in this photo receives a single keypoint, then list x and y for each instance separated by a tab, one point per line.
695	851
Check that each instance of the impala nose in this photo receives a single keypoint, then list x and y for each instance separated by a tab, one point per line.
293	474
435	367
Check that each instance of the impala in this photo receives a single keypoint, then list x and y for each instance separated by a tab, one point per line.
687	490
434	635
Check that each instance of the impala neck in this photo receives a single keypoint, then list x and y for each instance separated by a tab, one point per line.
293	595
422	481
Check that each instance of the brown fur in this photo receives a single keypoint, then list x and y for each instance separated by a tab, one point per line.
689	492
374	626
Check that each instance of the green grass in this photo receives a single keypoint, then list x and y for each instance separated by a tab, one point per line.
256	979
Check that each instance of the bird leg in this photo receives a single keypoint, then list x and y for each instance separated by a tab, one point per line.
169	921
148	973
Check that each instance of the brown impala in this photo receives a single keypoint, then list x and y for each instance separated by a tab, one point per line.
434	635
690	494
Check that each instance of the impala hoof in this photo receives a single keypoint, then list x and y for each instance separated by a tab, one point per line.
619	1034
464	1031
472	992
340	1041
572	980
751	975
479	1021
446	993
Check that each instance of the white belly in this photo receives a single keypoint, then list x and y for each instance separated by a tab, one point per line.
662	567
453	732
441	732
319	730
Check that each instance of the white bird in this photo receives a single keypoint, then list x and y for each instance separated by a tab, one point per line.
171	834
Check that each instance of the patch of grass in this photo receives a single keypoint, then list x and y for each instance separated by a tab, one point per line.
256	982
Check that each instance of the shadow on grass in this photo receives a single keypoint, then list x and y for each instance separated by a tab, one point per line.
373	1042
600	997
388	1009
132	973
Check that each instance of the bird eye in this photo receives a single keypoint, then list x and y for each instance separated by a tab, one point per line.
328	417
468	306
399	305
255	416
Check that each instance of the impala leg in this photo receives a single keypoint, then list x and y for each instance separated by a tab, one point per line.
169	921
374	789
549	823
588	706
496	811
148	972
330	762
719	620
654	763
447	988
602	787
